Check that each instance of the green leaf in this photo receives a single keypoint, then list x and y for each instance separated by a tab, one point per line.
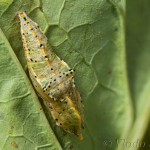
112	73
138	62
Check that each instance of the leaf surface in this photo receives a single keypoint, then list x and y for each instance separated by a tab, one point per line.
90	37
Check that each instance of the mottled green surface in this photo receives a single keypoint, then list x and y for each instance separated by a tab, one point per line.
111	75
138	64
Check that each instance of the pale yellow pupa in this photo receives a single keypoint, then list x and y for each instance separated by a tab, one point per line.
52	78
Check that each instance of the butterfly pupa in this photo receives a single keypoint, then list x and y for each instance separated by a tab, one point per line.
52	78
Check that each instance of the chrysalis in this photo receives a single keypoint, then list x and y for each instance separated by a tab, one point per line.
52	78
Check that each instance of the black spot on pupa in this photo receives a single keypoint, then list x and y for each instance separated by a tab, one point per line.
25	18
35	76
49	86
69	122
56	119
31	59
60	124
66	74
41	45
54	79
51	107
54	99
35	61
59	76
51	68
61	100
46	57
